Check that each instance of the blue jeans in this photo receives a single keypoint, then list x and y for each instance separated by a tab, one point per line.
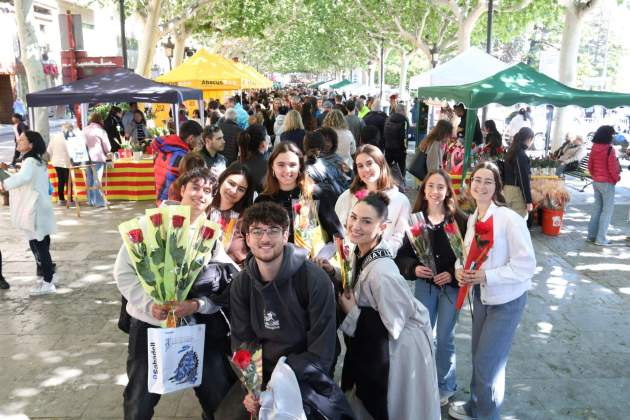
441	306
95	198
493	329
602	211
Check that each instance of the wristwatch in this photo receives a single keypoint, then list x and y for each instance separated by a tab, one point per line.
200	304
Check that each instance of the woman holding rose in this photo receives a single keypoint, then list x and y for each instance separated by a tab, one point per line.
373	175
499	267
389	366
438	289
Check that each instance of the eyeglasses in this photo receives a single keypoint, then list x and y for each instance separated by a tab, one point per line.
273	232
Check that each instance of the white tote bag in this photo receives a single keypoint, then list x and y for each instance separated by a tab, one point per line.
23	201
175	358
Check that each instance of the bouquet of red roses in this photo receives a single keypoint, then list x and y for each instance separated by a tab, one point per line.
418	235
482	243
165	255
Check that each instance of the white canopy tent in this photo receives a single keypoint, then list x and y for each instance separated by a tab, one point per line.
470	66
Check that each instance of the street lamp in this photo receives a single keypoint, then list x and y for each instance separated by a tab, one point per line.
169	48
434	56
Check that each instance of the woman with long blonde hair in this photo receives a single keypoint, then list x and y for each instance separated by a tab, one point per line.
346	143
293	130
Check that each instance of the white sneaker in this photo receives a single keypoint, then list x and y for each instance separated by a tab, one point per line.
457	411
444	399
43	288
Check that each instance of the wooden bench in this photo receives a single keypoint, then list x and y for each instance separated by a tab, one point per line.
582	173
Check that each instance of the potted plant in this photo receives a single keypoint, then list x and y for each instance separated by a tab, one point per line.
138	150
555	197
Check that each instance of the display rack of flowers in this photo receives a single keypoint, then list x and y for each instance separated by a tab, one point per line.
552	196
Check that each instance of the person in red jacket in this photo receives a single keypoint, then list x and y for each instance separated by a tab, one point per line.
169	152
605	171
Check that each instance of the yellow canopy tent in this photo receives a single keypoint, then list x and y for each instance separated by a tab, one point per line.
255	79
206	71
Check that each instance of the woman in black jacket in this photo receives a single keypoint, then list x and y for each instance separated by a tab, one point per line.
436	287
287	181
516	173
252	144
323	172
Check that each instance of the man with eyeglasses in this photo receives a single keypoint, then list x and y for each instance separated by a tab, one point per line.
281	300
169	151
213	144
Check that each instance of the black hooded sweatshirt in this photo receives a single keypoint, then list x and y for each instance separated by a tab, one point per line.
293	314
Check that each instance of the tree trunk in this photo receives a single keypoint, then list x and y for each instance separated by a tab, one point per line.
464	32
180	44
31	58
149	39
569	49
404	67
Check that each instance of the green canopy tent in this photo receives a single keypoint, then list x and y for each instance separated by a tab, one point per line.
517	84
317	84
339	85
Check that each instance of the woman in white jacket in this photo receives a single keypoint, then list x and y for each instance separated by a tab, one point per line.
373	175
31	209
500	285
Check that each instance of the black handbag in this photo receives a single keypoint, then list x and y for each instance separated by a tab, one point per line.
418	165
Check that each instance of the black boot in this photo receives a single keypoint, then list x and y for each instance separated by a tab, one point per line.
3	283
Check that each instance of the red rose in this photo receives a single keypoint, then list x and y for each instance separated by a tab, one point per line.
207	233
481	228
156	219
222	222
361	194
178	221
136	236
416	230
242	358
297	207
450	228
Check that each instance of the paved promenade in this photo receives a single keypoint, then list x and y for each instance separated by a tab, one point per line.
62	356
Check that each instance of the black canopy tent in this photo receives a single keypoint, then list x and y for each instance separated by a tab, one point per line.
120	85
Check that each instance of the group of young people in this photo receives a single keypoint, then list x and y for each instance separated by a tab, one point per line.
262	288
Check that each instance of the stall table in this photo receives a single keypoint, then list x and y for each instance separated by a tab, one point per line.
125	180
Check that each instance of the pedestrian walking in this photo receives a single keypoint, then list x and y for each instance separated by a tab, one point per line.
98	149
60	160
31	209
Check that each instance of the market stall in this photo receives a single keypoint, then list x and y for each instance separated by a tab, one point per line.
125	180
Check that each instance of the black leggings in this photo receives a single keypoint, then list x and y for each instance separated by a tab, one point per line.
0	264
41	251
62	181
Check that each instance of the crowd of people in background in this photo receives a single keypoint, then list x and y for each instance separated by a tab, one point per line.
250	160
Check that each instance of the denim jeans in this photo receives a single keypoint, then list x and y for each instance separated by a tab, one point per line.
602	211
95	198
441	306
493	329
